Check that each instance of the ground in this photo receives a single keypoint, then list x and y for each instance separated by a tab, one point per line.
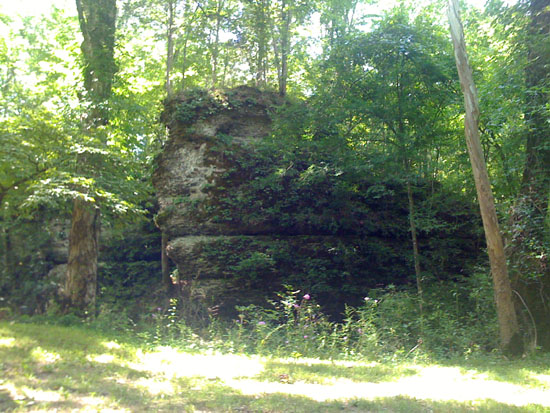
67	369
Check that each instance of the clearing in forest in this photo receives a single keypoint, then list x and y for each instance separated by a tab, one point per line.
62	369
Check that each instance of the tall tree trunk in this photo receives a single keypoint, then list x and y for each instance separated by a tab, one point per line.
169	48
286	18
416	252
216	47
402	139
184	57
261	56
510	339
97	20
81	281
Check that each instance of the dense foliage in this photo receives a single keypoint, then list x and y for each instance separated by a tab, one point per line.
367	143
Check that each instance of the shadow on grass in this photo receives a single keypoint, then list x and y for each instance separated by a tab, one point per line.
325	373
521	372
57	368
6	402
54	368
216	398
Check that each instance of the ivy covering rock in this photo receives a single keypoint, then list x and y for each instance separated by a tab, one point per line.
245	213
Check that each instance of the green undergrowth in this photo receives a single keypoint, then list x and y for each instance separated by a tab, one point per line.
288	356
387	325
77	368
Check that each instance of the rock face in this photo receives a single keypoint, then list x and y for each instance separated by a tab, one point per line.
32	272
241	220
204	131
228	255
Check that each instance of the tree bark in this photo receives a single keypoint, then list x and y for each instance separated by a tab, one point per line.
169	48
97	20
416	252
510	339
184	57
261	57
286	18
81	282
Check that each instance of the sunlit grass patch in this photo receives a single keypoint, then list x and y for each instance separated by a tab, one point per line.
70	369
531	372
542	380
174	363
7	342
330	373
101	358
44	356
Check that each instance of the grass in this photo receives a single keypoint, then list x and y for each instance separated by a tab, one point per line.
62	369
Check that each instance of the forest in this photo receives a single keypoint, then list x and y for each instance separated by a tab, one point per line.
340	191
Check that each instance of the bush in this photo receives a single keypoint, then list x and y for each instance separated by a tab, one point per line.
387	324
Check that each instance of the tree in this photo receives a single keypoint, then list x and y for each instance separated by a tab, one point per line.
35	125
511	341
529	223
291	13
338	18
97	20
255	34
536	174
391	92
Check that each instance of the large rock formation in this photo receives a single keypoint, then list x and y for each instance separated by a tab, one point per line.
207	132
231	247
244	214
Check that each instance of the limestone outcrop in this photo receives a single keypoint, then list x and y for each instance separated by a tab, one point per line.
244	213
206	133
229	249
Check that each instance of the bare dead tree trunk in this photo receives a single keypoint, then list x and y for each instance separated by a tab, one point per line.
511	342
